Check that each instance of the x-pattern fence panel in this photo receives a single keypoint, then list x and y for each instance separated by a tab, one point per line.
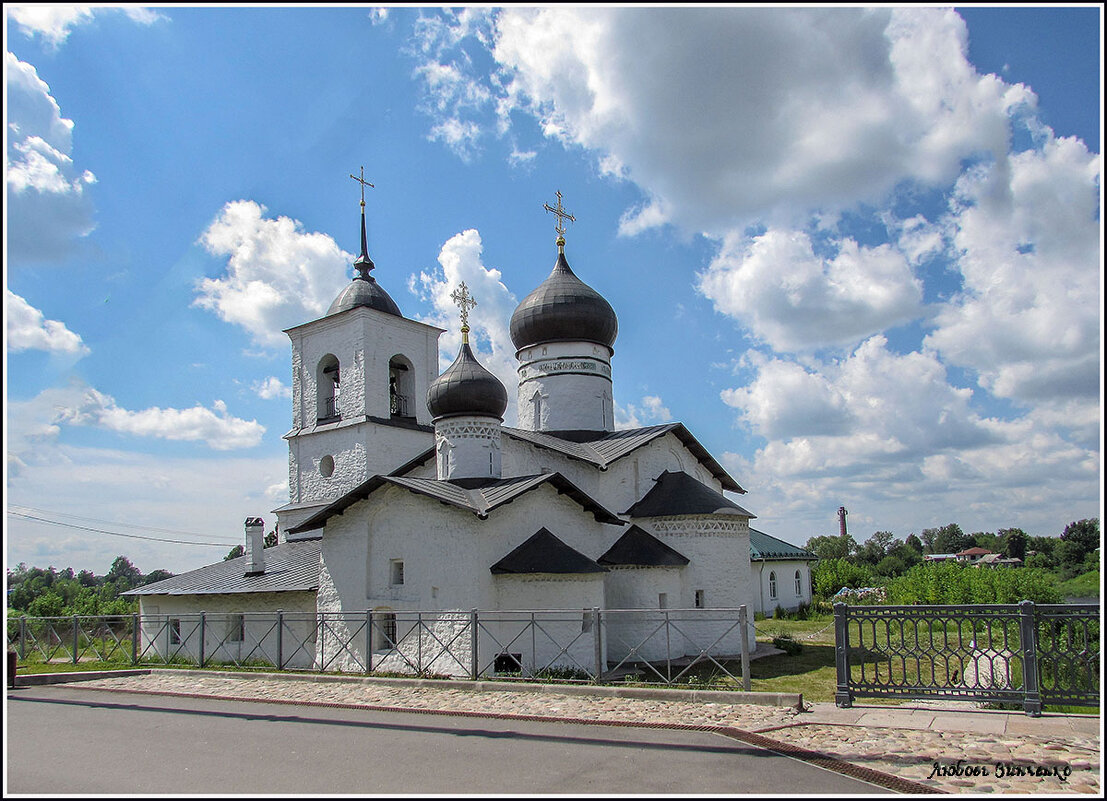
588	645
1008	653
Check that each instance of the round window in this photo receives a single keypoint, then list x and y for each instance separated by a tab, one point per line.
326	466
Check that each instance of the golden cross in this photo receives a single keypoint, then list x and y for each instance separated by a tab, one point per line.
363	183
562	215
464	302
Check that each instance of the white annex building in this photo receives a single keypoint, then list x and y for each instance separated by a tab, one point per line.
407	491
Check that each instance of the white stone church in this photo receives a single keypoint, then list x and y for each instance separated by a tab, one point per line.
407	491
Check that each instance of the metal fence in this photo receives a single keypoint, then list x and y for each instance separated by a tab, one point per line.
662	646
1021	654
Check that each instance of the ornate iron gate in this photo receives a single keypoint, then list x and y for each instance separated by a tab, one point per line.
1026	653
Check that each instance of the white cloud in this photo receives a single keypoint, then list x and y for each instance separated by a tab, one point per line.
277	275
793	299
1028	319
48	206
54	23
461	260
82	405
650	410
28	329
271	388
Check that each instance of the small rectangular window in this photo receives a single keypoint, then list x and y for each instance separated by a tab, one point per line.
175	631
397	577
663	600
699	599
236	628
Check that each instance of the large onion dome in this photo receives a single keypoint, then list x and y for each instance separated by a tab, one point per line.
466	388
563	309
364	289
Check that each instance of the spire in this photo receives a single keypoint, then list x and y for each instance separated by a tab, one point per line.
363	264
561	215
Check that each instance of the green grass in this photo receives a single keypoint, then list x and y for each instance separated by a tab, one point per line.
1085	585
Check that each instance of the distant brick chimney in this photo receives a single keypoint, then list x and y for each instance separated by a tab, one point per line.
842	520
255	546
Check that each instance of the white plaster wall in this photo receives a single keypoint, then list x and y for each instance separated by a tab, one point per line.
259	610
786	595
574	382
638	635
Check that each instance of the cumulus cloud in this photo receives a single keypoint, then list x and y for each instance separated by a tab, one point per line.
793	299
1028	237
54	23
461	260
271	388
82	405
649	411
277	275
28	329
49	208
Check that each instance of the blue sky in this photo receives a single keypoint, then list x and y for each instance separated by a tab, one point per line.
857	252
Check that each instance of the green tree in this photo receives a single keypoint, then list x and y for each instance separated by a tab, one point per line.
1014	542
914	543
947	539
123	574
832	547
831	575
1083	534
236	552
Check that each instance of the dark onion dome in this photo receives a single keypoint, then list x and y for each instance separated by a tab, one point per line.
563	309
466	388
364	289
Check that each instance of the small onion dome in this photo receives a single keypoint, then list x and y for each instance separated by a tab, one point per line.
364	289
466	388
563	309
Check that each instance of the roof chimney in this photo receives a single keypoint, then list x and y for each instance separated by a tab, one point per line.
255	546
842	520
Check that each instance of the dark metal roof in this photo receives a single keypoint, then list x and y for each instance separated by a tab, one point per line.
545	553
480	500
364	292
765	547
639	548
680	494
603	448
466	388
289	567
563	309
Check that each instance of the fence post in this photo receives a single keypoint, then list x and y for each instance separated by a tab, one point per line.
23	637
842	697
1028	640
368	640
745	648
76	638
280	639
136	636
203	636
597	643
474	636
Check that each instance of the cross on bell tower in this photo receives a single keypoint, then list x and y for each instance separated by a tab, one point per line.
464	301
363	264
562	216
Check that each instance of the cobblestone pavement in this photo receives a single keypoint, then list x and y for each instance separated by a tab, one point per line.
908	753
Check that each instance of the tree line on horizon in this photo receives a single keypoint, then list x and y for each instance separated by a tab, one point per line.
48	592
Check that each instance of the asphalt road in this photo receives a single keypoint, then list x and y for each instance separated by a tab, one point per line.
62	739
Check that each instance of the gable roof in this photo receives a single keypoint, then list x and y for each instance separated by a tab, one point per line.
602	449
545	553
480	500
764	547
289	566
638	548
680	494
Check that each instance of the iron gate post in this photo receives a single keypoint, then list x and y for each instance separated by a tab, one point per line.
136	634
203	636
474	665
745	648
842	696
597	643
23	637
280	639
368	640
76	638
1028	641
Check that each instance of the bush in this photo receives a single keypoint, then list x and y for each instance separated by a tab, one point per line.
785	643
953	583
831	575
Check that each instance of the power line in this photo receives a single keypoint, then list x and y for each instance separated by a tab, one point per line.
116	533
30	510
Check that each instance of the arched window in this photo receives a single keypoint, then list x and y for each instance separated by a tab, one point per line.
772	584
536	403
401	387
327	381
799	585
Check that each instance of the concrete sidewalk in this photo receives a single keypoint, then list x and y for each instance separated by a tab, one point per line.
949	717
